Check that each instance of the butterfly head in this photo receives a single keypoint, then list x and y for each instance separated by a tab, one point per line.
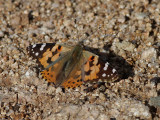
77	51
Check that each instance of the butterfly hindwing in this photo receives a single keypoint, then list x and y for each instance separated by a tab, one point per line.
73	81
51	73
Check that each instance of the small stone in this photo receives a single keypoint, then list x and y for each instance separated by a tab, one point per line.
35	13
15	21
15	65
149	54
58	90
155	101
55	5
125	46
1	34
141	16
24	19
102	96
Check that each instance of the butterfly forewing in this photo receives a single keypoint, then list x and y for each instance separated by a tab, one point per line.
46	53
37	50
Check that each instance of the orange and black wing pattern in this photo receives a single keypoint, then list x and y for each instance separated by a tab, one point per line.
49	56
97	69
62	67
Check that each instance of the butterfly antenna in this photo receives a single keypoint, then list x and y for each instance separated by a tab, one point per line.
78	36
84	39
115	34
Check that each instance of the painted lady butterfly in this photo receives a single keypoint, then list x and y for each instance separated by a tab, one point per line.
70	67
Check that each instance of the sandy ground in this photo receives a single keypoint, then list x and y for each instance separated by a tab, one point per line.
128	30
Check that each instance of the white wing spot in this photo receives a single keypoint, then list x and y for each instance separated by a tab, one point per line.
106	66
42	47
113	70
108	75
33	46
33	52
37	54
103	75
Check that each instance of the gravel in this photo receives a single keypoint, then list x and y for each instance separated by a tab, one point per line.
131	31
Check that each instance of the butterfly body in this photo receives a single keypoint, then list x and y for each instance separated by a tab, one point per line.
74	59
69	64
70	67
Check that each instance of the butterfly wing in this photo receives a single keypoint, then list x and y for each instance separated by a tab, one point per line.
96	68
51	57
46	53
90	68
73	81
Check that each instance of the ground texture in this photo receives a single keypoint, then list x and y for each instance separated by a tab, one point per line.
128	30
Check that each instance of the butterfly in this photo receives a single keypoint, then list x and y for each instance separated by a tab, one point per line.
71	66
